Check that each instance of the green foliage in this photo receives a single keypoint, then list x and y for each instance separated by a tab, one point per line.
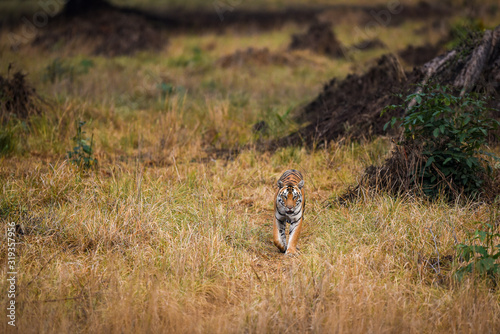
82	153
285	118
450	130
481	254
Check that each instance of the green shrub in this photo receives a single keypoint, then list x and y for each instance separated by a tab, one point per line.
481	254
449	131
82	153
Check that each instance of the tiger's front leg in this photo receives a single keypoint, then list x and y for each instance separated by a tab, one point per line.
294	233
279	234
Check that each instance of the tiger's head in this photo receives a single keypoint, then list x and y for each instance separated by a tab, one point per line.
289	198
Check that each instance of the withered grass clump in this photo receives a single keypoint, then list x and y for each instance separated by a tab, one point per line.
17	98
395	175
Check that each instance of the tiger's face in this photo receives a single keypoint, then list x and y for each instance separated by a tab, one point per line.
289	199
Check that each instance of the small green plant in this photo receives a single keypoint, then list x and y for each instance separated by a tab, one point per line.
82	153
450	131
481	254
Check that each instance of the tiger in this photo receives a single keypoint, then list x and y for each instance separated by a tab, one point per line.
289	207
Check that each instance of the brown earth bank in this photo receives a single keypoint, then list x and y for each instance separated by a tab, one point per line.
352	107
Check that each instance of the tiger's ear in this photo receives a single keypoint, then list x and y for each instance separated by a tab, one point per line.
280	184
301	184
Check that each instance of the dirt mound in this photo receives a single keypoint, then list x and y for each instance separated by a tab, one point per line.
17	98
318	38
255	57
112	31
419	55
352	107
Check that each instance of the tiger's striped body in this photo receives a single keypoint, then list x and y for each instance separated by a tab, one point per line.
289	208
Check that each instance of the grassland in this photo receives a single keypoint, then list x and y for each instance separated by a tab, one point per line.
168	237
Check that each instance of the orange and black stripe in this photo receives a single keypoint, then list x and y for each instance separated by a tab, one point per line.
291	177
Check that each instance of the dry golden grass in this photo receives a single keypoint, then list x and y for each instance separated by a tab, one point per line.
167	237
187	248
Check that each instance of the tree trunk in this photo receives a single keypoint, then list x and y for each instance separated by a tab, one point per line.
469	75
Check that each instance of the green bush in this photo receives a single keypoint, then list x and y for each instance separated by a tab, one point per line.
449	131
82	153
481	254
